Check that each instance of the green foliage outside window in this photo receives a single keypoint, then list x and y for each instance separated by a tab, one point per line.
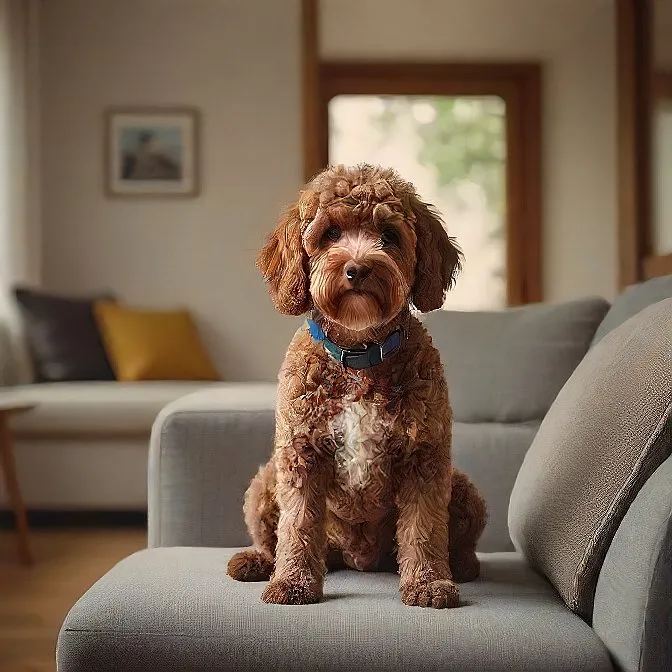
461	139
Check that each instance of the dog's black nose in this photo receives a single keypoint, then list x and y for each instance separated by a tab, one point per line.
355	273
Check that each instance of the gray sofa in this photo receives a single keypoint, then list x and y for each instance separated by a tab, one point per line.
171	607
84	445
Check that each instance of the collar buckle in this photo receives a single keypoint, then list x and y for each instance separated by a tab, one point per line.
371	355
364	358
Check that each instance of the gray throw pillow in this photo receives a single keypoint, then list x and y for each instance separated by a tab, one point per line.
509	365
607	431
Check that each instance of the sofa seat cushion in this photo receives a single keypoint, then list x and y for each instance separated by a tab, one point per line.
187	614
95	407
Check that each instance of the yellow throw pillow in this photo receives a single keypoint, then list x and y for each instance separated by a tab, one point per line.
152	344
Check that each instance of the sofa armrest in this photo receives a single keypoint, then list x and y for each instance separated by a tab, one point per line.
204	450
633	600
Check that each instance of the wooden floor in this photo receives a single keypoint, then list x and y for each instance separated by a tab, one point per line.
34	600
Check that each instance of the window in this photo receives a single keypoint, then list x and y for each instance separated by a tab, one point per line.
468	138
453	149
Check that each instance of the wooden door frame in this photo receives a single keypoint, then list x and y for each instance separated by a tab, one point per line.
519	84
662	85
638	87
658	264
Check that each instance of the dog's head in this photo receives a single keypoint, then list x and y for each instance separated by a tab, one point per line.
360	246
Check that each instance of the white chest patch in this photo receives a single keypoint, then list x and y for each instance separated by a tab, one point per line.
358	430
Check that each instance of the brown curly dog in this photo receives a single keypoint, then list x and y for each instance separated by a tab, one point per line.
362	464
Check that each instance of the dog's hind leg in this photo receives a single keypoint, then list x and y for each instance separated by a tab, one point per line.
467	518
261	517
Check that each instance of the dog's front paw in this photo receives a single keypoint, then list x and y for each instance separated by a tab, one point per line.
290	591
439	594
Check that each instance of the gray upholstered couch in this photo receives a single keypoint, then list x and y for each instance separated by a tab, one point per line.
84	445
172	607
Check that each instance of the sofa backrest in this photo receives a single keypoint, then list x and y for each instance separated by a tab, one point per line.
504	370
508	366
632	300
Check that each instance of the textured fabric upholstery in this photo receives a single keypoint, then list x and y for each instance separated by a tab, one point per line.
204	451
633	598
491	453
603	437
176	610
207	446
509	366
632	300
95	407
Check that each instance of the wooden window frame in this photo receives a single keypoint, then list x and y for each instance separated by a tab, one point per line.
519	85
662	85
654	265
633	65
638	87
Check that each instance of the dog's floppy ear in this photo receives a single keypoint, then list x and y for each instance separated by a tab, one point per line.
283	263
438	258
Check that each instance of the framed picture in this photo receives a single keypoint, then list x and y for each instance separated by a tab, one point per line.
152	152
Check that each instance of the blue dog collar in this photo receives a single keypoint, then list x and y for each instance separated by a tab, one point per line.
364	358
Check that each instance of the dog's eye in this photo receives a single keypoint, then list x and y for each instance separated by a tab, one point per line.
390	236
333	233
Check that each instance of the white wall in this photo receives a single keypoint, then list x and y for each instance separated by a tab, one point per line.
451	29
580	155
575	42
239	62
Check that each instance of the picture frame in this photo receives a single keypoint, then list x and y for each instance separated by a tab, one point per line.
152	152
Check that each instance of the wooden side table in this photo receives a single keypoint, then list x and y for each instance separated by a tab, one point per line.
11	479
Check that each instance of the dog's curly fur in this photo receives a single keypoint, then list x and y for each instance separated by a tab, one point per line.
362	462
